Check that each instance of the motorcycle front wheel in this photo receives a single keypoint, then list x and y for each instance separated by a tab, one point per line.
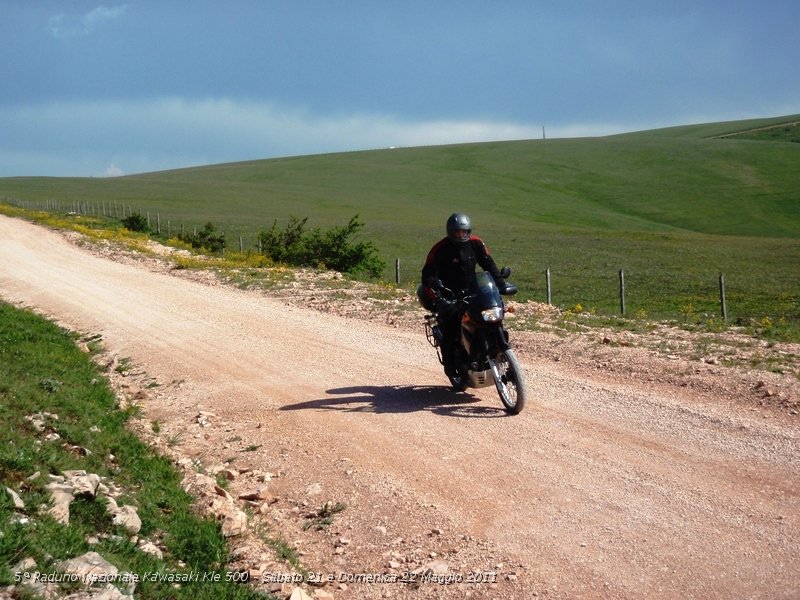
509	380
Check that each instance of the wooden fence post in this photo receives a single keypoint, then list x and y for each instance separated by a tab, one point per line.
549	288
722	297
397	271
622	291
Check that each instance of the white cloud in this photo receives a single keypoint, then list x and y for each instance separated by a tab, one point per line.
65	26
109	138
113	171
168	133
104	13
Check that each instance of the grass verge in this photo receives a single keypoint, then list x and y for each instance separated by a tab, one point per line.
57	413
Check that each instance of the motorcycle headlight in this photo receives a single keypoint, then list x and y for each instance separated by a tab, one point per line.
492	315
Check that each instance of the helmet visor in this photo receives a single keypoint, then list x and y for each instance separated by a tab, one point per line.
461	234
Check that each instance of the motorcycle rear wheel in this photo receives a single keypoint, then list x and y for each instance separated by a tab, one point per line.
459	381
510	382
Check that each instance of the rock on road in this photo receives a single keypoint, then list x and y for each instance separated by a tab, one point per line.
599	489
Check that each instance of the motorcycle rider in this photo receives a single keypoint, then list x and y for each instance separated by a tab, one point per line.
451	263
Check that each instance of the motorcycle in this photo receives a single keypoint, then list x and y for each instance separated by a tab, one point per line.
483	356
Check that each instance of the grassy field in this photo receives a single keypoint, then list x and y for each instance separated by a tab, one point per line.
674	208
44	374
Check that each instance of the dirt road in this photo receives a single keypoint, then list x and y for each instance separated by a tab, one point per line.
599	489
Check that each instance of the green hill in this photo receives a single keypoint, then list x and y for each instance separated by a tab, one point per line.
674	207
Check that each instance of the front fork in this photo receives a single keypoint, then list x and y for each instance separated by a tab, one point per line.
486	342
498	377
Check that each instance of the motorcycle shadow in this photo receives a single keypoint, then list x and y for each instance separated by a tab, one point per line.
400	399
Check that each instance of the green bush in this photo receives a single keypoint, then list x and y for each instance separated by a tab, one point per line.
206	239
136	222
333	248
287	246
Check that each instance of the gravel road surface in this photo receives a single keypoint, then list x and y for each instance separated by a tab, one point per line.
601	488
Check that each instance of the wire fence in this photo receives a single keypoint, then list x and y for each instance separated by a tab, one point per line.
161	226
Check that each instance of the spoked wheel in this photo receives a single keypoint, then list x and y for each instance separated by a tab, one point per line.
509	380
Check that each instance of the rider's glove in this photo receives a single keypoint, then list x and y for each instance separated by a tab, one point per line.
431	293
432	285
445	307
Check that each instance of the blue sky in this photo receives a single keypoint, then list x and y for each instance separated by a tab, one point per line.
92	89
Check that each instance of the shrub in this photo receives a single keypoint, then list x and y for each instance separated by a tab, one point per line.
287	246
135	222
206	239
333	248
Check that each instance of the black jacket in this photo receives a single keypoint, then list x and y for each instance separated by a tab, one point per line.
455	265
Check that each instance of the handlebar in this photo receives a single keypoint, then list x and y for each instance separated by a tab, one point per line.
450	299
